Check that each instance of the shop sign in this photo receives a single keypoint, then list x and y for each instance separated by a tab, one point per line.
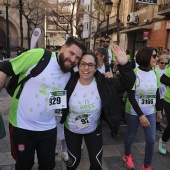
145	34
147	1
168	25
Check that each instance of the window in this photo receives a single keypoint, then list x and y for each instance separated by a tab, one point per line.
52	1
52	27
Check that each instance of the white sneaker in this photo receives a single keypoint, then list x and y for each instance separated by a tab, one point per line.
162	147
82	146
64	155
56	151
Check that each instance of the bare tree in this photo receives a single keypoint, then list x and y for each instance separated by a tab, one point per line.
34	13
99	18
66	16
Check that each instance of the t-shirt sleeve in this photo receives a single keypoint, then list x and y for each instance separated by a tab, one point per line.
26	60
167	72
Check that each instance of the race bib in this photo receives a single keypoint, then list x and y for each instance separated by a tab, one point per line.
147	101
162	90
57	100
82	121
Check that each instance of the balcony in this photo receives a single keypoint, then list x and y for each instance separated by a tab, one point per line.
164	9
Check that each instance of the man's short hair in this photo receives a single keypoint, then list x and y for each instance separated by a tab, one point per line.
73	40
106	37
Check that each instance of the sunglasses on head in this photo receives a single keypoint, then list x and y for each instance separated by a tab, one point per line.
154	56
164	63
106	41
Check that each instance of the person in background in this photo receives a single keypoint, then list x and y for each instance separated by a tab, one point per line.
165	79
140	106
128	55
161	68
3	53
110	55
32	124
103	66
52	48
91	97
61	136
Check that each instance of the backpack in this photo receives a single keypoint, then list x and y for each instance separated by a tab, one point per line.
13	82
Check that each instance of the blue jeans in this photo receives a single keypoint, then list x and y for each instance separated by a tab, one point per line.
150	135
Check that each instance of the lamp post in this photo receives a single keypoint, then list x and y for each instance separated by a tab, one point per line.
118	22
21	27
7	4
108	9
80	30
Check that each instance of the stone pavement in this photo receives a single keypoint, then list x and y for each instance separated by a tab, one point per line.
112	154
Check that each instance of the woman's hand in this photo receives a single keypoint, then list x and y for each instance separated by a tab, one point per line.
119	54
158	116
108	75
144	121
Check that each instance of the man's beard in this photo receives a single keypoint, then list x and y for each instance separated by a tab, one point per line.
61	62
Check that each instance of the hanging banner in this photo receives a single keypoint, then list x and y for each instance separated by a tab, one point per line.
35	36
149	2
145	34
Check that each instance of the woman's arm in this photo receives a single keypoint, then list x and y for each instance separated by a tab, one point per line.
127	75
165	80
143	120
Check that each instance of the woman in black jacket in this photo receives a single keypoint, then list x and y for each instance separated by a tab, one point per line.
92	96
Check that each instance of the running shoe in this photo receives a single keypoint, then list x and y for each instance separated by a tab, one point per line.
159	128
128	161
143	168
56	151
64	155
162	147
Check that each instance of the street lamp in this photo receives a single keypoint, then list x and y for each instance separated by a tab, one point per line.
7	4
108	9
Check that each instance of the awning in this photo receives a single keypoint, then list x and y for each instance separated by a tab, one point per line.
135	29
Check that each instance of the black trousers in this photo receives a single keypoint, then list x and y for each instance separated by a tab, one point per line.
25	142
166	133
94	143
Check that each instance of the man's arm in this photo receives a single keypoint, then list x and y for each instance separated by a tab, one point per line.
3	78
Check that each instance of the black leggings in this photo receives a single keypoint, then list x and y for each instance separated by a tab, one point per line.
94	143
166	133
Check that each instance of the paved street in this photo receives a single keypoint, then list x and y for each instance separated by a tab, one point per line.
113	148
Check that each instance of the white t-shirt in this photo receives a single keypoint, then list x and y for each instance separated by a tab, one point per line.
145	92
162	88
102	69
31	110
85	100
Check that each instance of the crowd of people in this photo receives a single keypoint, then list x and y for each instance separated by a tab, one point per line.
78	89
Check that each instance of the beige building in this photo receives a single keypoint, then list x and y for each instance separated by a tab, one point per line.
14	27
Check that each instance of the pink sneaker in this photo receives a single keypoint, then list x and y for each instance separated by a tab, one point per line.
148	168
128	161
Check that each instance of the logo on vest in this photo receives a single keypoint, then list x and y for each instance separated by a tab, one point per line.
21	147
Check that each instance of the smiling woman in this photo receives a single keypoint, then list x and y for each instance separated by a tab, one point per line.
143	100
88	93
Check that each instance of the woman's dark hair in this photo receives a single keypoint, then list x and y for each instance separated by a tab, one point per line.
127	52
89	52
102	51
144	55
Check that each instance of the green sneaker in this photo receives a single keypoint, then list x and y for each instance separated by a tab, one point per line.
162	147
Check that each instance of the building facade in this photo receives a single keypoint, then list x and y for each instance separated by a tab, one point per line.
14	24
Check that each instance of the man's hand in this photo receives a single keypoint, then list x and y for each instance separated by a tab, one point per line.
144	121
119	54
3	78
